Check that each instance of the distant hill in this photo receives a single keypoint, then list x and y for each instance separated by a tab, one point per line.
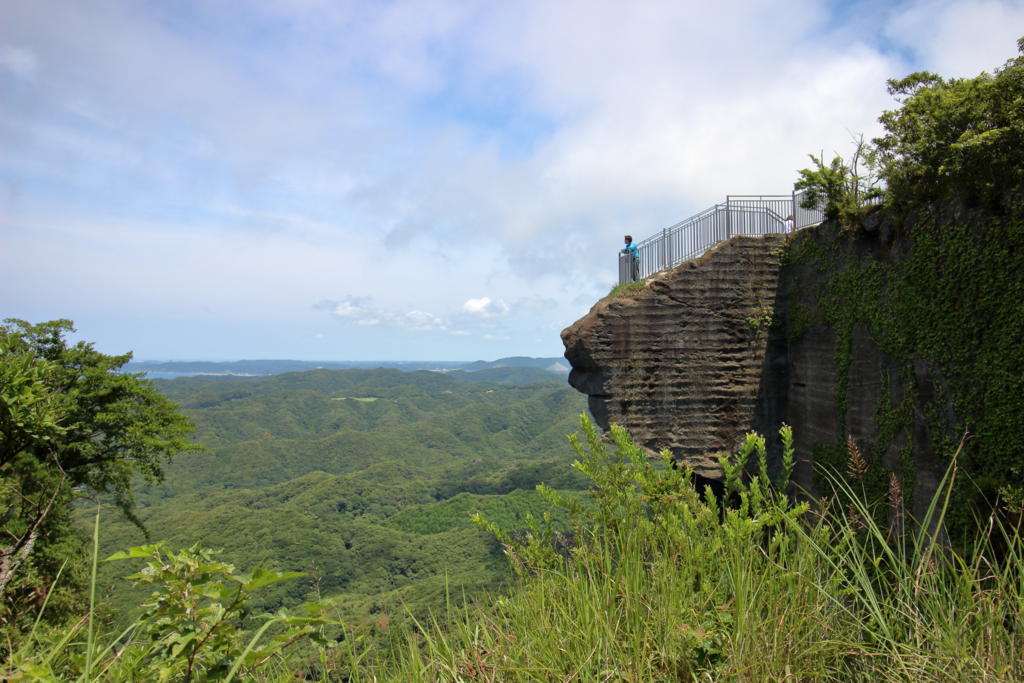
510	375
552	364
365	479
266	368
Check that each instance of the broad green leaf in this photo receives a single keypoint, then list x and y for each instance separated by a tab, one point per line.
136	552
264	577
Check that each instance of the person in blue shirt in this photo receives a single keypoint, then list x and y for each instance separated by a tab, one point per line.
631	249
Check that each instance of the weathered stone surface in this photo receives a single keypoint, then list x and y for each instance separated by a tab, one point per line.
691	362
681	363
810	381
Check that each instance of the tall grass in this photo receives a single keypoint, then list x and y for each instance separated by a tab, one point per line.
663	582
659	581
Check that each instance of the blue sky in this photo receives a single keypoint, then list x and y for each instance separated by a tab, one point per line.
449	179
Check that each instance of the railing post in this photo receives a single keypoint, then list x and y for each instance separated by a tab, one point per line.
792	208
728	217
664	248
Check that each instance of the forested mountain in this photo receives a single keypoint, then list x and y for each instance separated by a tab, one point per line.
365	479
265	368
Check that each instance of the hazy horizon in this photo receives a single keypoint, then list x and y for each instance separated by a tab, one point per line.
334	360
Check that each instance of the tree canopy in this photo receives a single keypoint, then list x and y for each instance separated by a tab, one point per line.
71	424
957	138
961	136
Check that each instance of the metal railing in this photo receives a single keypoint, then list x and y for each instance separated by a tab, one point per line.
737	215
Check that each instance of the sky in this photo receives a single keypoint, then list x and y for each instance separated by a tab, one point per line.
410	180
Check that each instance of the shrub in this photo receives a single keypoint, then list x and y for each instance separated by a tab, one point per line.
664	582
192	627
962	137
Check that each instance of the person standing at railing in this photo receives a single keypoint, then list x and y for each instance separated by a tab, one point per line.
789	224
634	258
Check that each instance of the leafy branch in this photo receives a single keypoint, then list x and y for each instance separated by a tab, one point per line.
842	188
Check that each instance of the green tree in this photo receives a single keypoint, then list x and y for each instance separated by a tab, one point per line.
71	424
960	137
841	188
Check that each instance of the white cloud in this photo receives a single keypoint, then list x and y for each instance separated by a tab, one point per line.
350	307
362	311
958	39
421	320
346	309
421	151
485	307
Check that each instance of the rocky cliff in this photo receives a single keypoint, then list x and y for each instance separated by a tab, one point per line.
680	362
902	333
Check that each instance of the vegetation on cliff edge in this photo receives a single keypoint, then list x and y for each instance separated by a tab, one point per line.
655	581
941	293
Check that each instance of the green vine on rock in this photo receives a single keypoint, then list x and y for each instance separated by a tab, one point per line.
952	306
937	287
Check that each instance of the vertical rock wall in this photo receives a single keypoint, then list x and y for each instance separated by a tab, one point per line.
682	362
709	350
874	378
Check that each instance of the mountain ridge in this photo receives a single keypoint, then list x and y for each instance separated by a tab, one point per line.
270	367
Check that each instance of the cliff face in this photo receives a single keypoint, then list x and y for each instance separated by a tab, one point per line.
706	352
839	382
681	363
904	335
